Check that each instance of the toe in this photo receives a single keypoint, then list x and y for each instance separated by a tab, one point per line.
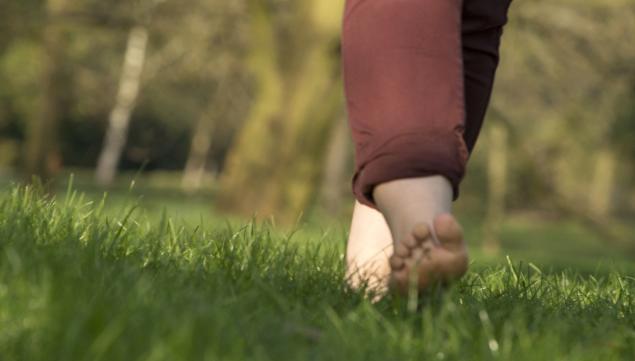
426	249
410	242
449	232
400	279
402	251
397	263
421	232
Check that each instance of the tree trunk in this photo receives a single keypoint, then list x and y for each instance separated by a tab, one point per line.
124	105
497	187
295	175
249	158
335	169
601	191
199	150
42	158
274	166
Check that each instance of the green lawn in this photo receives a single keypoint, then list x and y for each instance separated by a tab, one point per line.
125	280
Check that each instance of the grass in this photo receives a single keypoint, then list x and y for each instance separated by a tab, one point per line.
79	281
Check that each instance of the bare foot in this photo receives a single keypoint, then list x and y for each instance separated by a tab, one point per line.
368	248
421	260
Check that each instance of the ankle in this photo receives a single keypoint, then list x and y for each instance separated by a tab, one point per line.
407	202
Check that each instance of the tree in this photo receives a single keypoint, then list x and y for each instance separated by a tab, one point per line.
561	89
42	157
127	94
273	168
497	186
221	66
337	167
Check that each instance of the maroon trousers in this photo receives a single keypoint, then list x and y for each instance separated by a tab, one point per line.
418	75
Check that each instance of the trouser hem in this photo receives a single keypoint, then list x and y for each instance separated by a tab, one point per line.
413	156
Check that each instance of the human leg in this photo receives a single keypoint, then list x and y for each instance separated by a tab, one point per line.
408	169
412	206
482	28
403	77
403	80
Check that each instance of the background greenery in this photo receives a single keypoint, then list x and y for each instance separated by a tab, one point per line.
243	99
234	161
84	280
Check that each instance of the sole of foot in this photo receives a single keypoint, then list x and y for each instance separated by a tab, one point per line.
422	260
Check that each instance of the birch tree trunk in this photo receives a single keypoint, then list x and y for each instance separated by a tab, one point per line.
601	190
334	179
197	158
119	119
497	187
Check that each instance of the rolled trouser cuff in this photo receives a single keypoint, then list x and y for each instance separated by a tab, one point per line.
412	155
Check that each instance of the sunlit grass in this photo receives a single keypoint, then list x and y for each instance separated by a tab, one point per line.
79	284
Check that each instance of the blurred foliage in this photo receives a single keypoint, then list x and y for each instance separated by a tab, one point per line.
564	83
260	79
194	46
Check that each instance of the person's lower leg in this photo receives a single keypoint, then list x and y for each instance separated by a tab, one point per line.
404	87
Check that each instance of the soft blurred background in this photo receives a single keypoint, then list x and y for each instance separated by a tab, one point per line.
220	111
